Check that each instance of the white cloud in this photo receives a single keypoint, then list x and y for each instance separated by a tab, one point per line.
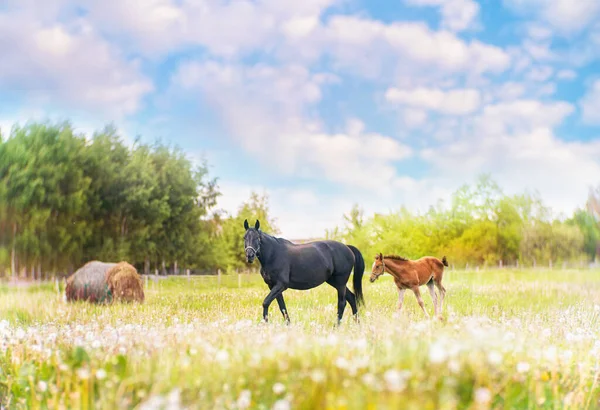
540	74
590	104
268	110
566	75
67	64
565	16
161	26
290	208
366	44
457	15
515	143
452	102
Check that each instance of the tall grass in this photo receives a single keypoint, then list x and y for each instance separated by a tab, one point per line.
509	339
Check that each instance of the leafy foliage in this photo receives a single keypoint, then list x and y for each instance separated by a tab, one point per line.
66	200
481	226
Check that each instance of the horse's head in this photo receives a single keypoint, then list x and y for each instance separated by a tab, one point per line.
378	268
251	241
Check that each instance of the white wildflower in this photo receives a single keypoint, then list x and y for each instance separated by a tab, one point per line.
317	375
278	388
483	395
495	357
282	404
83	373
437	353
395	380
523	367
341	362
454	366
245	399
42	386
222	356
100	374
368	379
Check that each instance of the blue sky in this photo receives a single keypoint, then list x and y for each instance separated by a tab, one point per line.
325	103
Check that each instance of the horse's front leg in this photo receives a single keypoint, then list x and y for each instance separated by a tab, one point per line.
276	291
283	309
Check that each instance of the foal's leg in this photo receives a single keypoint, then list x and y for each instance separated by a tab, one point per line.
283	309
275	291
417	293
442	290
431	288
400	298
351	298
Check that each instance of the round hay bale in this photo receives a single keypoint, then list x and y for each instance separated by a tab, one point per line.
101	282
125	283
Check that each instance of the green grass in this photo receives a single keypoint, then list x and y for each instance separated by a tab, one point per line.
508	340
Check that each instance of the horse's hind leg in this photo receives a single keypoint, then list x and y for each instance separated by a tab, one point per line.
431	288
283	309
341	303
417	293
442	290
351	298
340	285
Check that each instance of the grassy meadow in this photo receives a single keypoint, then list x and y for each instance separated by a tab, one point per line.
508	340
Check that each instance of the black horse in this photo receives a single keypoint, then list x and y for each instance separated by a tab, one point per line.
287	265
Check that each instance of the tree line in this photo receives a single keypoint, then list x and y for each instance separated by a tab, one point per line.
481	226
66	199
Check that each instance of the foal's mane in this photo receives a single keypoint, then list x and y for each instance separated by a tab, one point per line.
395	257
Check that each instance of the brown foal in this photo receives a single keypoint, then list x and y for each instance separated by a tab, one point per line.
410	274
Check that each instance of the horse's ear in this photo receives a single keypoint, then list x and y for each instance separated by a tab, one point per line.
257	225
380	256
246	224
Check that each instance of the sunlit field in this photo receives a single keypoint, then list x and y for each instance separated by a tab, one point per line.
508	340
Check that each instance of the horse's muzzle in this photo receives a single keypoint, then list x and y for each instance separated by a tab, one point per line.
250	258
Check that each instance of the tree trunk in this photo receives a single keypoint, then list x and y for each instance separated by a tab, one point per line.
175	271
146	265
40	274
164	267
13	252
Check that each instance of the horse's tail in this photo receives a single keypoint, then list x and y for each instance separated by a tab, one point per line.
359	270
444	261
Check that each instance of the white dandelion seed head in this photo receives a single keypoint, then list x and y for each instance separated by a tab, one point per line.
483	395
523	367
395	380
437	353
282	404
244	399
278	388
42	386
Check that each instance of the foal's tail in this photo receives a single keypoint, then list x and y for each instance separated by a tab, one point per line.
444	261
359	270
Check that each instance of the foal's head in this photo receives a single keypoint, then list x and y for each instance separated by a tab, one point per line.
251	241
378	268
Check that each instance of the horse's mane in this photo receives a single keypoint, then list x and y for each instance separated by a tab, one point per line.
395	257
